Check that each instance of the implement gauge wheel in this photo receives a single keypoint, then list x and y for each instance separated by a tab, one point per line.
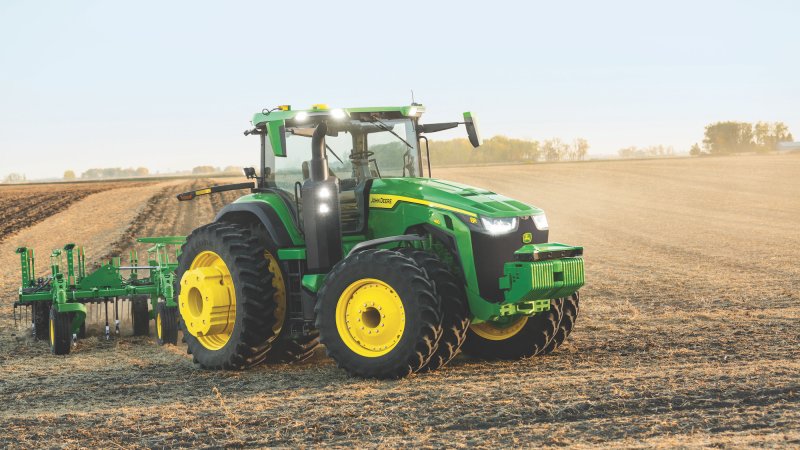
513	338
166	324
41	319
140	316
378	315
226	298
60	332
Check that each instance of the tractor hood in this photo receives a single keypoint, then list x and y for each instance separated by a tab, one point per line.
450	195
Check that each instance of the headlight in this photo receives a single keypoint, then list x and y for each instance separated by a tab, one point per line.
541	222
502	225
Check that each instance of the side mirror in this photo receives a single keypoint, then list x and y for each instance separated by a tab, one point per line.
471	122
249	172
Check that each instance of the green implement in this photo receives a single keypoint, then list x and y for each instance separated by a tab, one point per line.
61	297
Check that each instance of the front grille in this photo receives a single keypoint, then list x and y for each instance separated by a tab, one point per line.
490	253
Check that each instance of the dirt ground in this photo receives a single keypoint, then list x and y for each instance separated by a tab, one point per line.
689	332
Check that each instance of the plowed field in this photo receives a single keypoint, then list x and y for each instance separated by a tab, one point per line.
689	332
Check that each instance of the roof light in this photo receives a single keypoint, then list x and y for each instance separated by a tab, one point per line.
301	116
412	111
319	106
338	113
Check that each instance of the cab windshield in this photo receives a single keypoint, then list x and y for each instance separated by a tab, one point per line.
356	151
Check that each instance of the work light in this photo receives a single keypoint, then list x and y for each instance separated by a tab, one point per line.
541	222
501	225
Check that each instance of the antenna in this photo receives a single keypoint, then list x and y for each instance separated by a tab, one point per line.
412	98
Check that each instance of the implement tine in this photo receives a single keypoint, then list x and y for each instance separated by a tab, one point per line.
116	316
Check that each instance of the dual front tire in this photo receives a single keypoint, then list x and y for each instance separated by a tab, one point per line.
524	336
378	315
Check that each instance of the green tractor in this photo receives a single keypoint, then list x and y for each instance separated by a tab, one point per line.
344	241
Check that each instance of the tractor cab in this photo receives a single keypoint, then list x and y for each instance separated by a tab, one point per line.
360	145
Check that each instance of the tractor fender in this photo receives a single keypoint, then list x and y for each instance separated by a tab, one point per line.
260	212
384	240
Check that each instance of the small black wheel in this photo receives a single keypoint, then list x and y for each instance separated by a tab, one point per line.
455	310
140	315
82	330
41	319
570	307
378	315
60	332
166	324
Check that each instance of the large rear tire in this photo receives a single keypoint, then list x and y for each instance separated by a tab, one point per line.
378	315
455	310
226	298
516	338
570	307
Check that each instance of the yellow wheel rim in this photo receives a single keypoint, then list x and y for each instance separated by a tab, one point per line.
208	300
158	325
52	333
280	294
370	317
497	331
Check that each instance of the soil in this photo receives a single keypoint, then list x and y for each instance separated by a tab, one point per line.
688	336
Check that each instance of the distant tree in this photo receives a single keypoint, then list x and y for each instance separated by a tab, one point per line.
695	150
653	151
201	170
69	175
233	170
737	137
580	148
555	149
767	136
14	178
142	172
729	137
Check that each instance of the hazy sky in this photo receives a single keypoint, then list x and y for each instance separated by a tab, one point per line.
171	85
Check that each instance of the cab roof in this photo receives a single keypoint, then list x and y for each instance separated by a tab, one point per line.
286	112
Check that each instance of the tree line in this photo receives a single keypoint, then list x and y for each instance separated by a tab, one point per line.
502	149
108	173
742	137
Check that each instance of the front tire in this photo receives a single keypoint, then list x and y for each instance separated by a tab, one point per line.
226	298
455	310
378	315
515	338
570	307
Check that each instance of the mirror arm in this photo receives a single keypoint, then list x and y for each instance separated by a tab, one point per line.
434	127
427	155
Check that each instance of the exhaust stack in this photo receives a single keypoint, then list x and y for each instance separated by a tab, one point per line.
320	210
